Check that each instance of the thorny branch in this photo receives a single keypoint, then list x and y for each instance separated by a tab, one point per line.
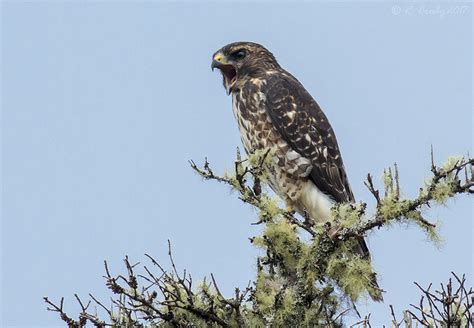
138	299
449	307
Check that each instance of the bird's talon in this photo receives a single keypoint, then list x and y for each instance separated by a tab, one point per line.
290	209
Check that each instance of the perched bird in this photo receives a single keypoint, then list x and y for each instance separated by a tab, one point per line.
274	111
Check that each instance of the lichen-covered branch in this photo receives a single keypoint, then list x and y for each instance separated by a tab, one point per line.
331	241
445	183
307	274
162	298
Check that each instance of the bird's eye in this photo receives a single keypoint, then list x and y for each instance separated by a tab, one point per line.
239	54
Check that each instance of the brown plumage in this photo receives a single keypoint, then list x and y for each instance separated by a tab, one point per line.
274	111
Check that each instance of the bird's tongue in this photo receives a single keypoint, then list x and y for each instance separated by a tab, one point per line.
230	76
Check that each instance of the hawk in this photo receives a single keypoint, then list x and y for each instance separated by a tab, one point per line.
274	111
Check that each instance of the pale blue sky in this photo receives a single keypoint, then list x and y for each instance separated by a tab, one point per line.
103	104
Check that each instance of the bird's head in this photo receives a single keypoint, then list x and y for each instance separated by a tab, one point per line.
239	59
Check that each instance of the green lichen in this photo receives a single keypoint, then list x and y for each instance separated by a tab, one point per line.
261	161
387	179
262	156
287	308
265	293
451	162
352	273
348	215
444	190
431	231
281	238
232	180
269	207
391	207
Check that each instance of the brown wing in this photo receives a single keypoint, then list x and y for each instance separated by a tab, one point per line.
303	125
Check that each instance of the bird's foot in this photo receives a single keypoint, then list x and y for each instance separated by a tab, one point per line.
290	209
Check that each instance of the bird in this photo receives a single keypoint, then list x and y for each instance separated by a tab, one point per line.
274	111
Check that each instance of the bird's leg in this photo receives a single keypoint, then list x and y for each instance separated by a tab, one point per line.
308	221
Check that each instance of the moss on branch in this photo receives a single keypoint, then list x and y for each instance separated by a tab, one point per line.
307	275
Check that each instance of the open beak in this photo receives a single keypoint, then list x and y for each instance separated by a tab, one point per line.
229	74
215	64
